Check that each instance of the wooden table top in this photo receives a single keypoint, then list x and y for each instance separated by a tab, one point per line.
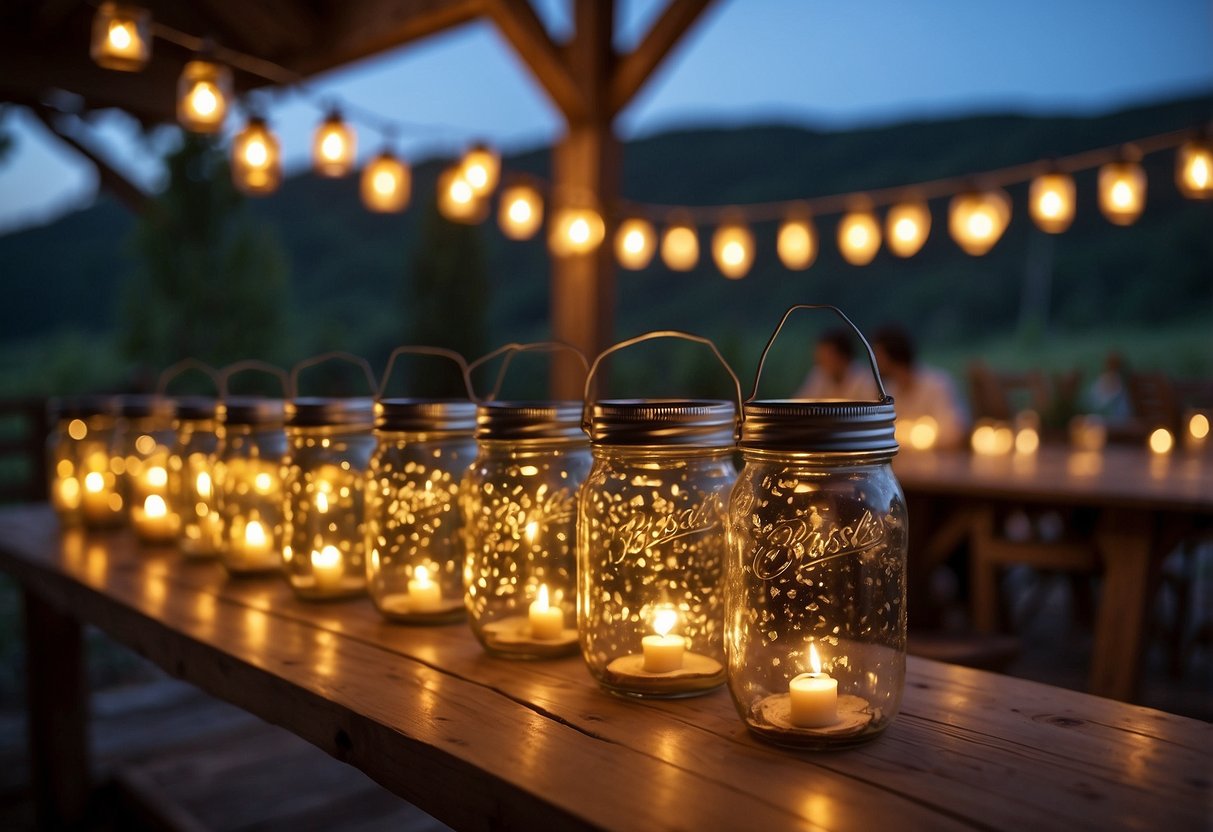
487	743
1117	476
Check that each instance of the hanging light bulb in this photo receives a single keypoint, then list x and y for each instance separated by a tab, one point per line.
906	227
481	167
203	92
334	147
1122	188
733	249
977	219
1051	201
575	231
256	159
859	237
122	37
456	199
635	243
680	246
797	240
386	184
520	212
1194	167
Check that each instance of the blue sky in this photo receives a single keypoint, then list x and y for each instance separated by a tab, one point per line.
818	62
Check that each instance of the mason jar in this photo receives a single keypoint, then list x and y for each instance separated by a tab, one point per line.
651	540
521	503
816	591
249	458
77	456
193	491
140	456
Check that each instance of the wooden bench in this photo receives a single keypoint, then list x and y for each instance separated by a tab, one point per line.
483	743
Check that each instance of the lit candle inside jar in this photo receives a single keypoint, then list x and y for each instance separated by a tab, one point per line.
663	652
547	622
256	544
153	523
96	503
327	568
814	696
424	594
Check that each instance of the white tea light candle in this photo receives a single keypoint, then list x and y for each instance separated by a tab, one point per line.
814	696
663	652
547	622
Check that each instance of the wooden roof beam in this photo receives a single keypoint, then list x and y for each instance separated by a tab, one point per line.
517	21
127	192
633	70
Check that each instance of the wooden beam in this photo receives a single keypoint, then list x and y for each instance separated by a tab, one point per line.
637	67
127	192
266	28
517	21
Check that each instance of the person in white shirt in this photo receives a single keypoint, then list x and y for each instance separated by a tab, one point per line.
835	374
919	391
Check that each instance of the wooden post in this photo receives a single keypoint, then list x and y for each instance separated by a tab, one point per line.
58	714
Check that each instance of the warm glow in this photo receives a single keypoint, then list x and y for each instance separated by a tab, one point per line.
680	247
1161	441
977	220
76	429
859	237
532	529
456	199
386	184
1027	441
254	534
322	502
328	557
1051	202
157	477
993	439
154	506
541	599
634	243
334	148
521	212
203	484
421	576
907	227
576	231
263	482
797	243
1194	168
256	159
924	433
1122	191
814	658
94	482
733	250
1198	426
121	37
664	620
202	96
480	168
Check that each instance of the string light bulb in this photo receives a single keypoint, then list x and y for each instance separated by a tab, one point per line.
1194	167
1122	188
334	147
1051	201
733	249
859	237
456	199
680	246
520	212
576	231
977	219
386	184
481	167
635	243
256	159
122	37
796	241
203	92
907	226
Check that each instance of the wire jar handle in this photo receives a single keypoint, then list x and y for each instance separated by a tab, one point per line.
173	371
336	355
512	349
225	375
439	352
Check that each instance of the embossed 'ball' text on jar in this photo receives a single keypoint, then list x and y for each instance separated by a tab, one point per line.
651	540
816	582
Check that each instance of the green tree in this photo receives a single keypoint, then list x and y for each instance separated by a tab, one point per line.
209	282
446	302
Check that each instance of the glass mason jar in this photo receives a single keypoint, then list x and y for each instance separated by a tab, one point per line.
249	459
816	582
77	458
651	540
520	500
142	444
329	447
193	492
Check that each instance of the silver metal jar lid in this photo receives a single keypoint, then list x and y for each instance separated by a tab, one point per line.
254	411
143	407
707	423
309	412
523	421
818	426
426	415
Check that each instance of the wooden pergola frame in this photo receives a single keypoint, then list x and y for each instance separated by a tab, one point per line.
44	65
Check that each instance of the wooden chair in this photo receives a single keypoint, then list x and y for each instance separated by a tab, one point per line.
1153	400
1000	395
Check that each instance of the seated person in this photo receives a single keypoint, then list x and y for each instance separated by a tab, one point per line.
834	374
919	391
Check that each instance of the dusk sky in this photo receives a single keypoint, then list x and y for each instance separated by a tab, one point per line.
817	63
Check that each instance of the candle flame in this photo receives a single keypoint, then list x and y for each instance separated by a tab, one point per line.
422	575
120	36
541	600
157	477
254	533
204	484
532	529
154	506
664	621
262	482
326	558
94	482
814	659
